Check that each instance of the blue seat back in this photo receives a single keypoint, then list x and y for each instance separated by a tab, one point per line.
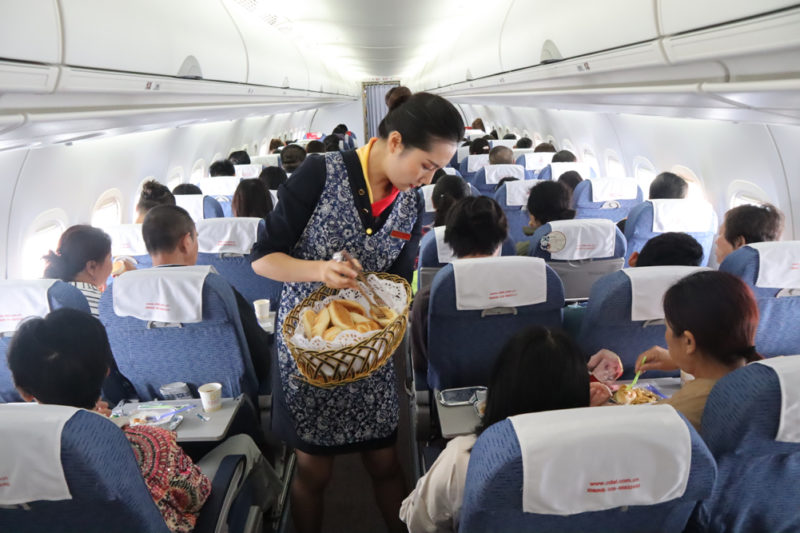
211	208
535	161
516	212
614	210
429	251
553	171
199	206
536	250
471	164
127	241
488	189
269	160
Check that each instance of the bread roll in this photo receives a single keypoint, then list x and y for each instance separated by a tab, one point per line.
322	323
358	318
364	327
340	316
387	313
353	307
308	318
331	333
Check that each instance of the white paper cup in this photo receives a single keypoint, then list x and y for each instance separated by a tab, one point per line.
262	309
211	396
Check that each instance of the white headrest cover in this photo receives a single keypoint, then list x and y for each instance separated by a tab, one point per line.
247	171
488	282
20	299
450	170
538	160
219	186
193	203
166	294
30	453
688	216
227	235
477	162
556	169
588	238
270	160
494	173
637	456
126	239
788	370
503	142
606	189
648	285
517	192
474	134
427	194
443	250
778	264
462	153
519	151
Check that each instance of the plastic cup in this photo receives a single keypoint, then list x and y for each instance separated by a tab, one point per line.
211	396
262	309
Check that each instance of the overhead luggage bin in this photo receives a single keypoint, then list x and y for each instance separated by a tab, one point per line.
32	18
677	16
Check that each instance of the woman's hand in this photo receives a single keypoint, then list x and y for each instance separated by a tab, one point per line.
657	359
337	275
605	365
599	394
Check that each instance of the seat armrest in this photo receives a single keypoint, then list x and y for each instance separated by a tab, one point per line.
214	514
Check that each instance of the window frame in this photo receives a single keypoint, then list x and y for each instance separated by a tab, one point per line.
611	155
697	189
57	218
110	196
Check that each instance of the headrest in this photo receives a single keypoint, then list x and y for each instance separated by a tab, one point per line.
572	240
489	282
165	294
126	239
638	456
538	160
788	370
608	189
30	453
503	142
461	153
427	194
247	171
778	264
451	171
521	151
227	235
269	160
648	285
474	134
193	203
682	215
556	169
443	250
477	162
517	192
220	185
494	173
20	299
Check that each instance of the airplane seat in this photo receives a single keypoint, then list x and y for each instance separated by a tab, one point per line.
269	160
750	425
610	198
461	154
656	463
20	299
248	171
767	268
199	206
553	171
509	143
513	198
487	178
222	188
471	165
127	241
177	324
476	305
93	484
625	314
426	193
580	251
453	171
535	161
654	217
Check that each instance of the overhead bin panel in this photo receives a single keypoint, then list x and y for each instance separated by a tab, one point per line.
475	53
683	15
29	31
170	38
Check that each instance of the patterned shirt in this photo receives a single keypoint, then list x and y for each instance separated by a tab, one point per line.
91	293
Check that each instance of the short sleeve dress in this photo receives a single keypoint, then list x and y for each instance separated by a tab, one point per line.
324	208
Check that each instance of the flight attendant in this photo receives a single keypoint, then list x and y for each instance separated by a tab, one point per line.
365	202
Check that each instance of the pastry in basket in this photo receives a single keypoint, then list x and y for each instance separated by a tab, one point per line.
315	324
331	333
388	316
340	315
634	396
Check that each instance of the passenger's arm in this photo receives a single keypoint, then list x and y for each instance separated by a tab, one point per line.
657	359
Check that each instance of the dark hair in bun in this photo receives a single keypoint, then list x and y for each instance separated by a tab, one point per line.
447	191
77	246
476	225
153	194
549	200
420	118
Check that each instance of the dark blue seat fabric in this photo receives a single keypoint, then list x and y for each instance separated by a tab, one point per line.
464	166
226	204
517	215
756	488
211	208
614	210
214	350
493	494
777	332
584	170
488	189
535	161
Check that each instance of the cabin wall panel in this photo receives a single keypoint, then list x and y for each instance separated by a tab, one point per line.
787	140
350	114
11	163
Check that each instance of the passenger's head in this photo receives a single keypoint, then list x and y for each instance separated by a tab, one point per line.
493	135
273	177
524	142
332	143
170	236
501	155
668	186
545	147
239	157
83	254
421	134
186	188
476	227
477	124
479	146
570	180
251	199
746	224
292	157
538	369
564	156
315	147
711	318
222	167
678	249
501	181
61	359
274	145
548	201
447	191
340	129
153	194
510	136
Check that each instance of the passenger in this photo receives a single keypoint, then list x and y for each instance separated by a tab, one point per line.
668	186
504	180
537	370
570	180
251	199
439	174
315	147
669	248
186	188
493	135
292	157
171	239
564	156
447	191
153	194
524	142
547	201
331	143
510	137
501	155
477	124
222	167
747	224
273	177
479	146
239	157
335	206
545	147
476	227
275	145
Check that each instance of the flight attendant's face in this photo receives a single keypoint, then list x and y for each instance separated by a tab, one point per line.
411	167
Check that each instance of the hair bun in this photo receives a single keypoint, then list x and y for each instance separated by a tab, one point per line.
397	96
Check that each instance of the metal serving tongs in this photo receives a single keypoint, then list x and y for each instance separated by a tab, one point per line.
363	285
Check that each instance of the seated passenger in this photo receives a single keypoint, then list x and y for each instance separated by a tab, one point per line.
545	147
669	248
153	194
292	157
537	370
510	137
524	142
501	181
564	156
570	179
251	199
476	227
273	177
275	145
547	201
477	124
447	191
186	188
315	147
746	224
331	143
501	155
666	186
478	147
239	157
221	168
171	239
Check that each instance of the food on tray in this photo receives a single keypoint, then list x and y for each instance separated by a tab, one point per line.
635	396
342	315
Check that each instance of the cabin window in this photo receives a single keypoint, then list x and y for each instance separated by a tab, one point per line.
198	171
590	159
614	167
175	178
42	238
107	210
696	191
645	173
743	192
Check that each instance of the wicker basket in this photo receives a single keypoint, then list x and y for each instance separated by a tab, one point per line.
372	352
